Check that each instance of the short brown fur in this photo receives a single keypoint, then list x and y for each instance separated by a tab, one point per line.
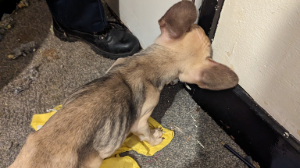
95	119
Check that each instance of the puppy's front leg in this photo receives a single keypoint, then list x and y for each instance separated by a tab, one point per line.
91	160
142	130
174	82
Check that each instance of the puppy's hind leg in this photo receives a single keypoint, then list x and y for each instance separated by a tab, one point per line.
142	130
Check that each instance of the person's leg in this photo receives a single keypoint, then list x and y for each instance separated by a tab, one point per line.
82	15
85	20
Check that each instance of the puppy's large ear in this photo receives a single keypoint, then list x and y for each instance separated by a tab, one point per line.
178	19
216	76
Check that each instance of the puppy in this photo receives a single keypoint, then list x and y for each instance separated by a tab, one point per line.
97	117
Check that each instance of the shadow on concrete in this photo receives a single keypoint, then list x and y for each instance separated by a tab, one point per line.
166	99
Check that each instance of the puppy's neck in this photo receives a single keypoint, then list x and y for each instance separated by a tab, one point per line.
164	40
161	64
156	64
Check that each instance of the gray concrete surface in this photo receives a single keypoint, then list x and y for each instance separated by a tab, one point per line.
62	67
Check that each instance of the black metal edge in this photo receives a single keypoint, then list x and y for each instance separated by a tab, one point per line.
215	21
206	14
276	139
242	94
249	126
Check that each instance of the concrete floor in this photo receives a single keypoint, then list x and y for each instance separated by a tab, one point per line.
62	67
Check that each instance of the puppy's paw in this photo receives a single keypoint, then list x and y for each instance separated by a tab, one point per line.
156	136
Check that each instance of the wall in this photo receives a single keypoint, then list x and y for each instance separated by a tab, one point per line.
260	40
141	16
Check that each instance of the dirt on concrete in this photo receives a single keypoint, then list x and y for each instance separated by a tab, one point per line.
31	23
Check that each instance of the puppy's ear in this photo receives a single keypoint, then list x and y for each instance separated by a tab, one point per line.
178	19
216	76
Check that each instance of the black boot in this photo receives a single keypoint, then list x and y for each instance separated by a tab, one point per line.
113	42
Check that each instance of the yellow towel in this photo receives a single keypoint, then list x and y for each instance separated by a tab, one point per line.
119	162
132	142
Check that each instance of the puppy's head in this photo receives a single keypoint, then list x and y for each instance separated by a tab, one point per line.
180	34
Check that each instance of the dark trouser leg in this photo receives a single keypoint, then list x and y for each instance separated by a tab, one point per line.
82	15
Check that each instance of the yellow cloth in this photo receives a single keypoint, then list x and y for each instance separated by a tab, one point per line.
119	162
38	120
132	142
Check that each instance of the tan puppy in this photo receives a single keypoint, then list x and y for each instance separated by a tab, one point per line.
96	119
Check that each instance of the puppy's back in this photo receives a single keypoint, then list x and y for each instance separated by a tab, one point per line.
97	116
